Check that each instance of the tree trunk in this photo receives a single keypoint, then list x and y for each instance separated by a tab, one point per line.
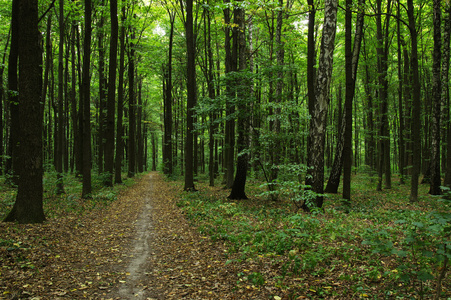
13	95
384	130
167	145
120	106
131	109
230	65
191	97
435	188
111	100
28	207
102	86
416	110
320	105
238	188
445	90
352	59
87	164
60	129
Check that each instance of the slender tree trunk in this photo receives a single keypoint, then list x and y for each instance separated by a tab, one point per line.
416	110
139	133
60	120
131	109
230	65
111	101
384	130
28	207
191	97
318	118
352	59
167	145
87	164
120	106
244	113
445	90
13	94
435	188
102	96
401	143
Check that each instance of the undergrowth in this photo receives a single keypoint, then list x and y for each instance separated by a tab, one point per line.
380	246
70	201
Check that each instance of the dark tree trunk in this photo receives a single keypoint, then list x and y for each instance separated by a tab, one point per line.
28	207
382	65
139	133
416	110
102	86
445	90
13	95
244	113
320	105
191	99
337	166
401	142
352	59
435	188
111	101
74	114
230	65
120	107
2	69
60	119
167	145
87	164
131	109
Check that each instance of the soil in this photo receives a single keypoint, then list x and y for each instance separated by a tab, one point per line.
139	247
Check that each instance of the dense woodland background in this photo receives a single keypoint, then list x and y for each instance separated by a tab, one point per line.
295	93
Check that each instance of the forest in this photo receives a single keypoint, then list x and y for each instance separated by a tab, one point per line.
304	106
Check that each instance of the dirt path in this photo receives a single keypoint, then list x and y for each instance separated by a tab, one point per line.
140	250
166	258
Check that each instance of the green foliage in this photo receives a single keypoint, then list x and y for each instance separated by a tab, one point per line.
372	245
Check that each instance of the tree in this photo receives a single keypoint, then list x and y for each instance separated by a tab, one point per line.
120	105
435	188
28	207
191	97
111	101
167	145
416	109
320	105
87	164
60	128
239	183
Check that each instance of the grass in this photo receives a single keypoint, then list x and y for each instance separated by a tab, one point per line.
379	247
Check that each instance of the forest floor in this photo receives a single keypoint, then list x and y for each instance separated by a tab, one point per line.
151	242
138	247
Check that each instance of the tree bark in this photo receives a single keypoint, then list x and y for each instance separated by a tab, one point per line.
13	95
244	113
191	97
28	207
320	105
167	145
60	129
416	110
352	55
87	164
111	100
120	106
131	109
445	89
435	188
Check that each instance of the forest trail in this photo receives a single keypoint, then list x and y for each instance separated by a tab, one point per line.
140	249
166	258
